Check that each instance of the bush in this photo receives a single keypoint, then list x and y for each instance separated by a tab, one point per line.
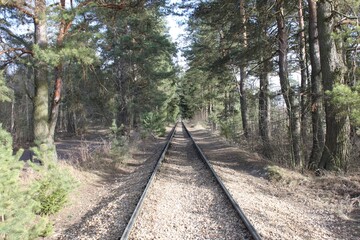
17	208
153	123
347	101
52	191
230	129
119	142
24	205
54	185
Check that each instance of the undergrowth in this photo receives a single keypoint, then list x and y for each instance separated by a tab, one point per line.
153	123
25	206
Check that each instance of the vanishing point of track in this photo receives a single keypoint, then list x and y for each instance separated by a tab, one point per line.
185	199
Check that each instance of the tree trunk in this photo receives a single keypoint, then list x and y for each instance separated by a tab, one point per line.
287	91
265	68
41	105
264	103
58	71
337	141
316	89
243	78
122	118
225	101
55	102
303	74
71	125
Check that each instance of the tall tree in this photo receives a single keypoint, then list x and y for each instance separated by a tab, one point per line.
243	71
140	59
47	55
337	142
303	74
41	101
316	89
286	89
264	70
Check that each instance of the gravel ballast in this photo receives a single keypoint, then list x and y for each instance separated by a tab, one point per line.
296	207
185	202
104	202
300	206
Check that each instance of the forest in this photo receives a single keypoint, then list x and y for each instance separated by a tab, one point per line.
278	76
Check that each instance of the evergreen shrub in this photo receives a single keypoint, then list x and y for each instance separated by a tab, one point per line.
153	123
25	204
347	101
17	207
119	142
52	191
229	129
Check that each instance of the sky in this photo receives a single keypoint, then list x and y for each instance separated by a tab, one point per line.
177	32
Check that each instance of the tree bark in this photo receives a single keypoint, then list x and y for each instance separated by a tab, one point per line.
265	68
316	89
58	74
243	77
41	105
122	87
303	74
335	154
264	105
287	91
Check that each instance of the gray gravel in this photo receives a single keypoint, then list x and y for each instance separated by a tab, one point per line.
185	202
107	208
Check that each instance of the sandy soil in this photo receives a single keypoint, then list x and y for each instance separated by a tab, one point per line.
280	203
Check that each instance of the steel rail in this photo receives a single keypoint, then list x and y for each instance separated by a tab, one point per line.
132	220
241	214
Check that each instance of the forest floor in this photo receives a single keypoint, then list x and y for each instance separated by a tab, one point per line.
281	204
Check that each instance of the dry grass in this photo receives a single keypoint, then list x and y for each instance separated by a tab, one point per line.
96	159
332	188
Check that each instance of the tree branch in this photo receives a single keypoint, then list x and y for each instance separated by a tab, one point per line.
344	15
23	51
346	21
11	58
18	7
10	33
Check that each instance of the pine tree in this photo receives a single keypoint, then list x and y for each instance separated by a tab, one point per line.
17	208
139	63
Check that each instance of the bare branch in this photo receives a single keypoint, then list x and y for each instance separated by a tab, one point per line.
344	15
22	50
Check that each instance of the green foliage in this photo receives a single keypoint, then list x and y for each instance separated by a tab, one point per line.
17	207
119	142
53	57
347	101
52	191
230	128
140	63
192	84
153	122
6	94
23	205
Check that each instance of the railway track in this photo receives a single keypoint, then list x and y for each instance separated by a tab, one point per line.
185	199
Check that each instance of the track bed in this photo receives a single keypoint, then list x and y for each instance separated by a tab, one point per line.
185	201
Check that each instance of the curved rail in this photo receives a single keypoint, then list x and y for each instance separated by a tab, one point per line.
131	222
241	214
